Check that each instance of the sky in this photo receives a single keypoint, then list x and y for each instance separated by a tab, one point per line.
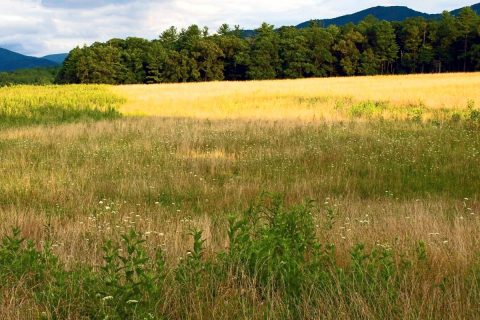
41	27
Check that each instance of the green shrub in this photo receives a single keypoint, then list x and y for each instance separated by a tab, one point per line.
130	281
416	113
274	245
20	259
368	109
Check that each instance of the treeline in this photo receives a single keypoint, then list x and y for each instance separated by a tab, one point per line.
371	47
38	76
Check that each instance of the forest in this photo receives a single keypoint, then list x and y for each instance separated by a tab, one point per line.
416	45
37	76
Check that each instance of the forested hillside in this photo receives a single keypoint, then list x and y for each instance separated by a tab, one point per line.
416	45
38	76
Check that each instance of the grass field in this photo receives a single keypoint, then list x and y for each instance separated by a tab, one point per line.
388	97
218	179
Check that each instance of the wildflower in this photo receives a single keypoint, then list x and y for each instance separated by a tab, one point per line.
132	301
107	298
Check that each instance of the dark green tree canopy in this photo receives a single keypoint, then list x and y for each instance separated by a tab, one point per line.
448	44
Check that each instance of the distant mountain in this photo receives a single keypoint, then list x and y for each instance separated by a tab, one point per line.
475	7
393	13
10	61
57	58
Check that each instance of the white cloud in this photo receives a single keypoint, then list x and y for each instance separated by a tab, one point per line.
40	27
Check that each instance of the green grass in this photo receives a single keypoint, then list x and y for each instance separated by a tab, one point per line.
377	160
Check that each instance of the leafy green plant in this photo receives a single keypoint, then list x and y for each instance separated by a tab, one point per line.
474	113
189	270
273	244
374	275
368	109
20	259
416	113
131	281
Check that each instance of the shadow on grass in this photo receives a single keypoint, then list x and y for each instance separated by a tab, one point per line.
50	115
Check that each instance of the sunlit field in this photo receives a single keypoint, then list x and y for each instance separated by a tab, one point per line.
29	105
341	198
389	97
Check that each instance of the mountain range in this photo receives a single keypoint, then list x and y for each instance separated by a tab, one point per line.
57	58
394	13
11	61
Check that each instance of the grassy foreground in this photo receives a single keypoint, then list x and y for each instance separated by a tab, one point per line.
168	218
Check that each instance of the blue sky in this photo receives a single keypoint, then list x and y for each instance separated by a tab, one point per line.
40	27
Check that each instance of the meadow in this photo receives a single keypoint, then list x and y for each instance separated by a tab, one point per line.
339	198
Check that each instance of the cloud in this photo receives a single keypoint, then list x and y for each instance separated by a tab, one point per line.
80	4
39	27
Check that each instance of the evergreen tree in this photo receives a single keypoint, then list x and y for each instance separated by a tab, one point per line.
235	52
294	53
348	51
467	25
264	58
320	43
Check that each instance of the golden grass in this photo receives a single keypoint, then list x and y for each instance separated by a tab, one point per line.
304	99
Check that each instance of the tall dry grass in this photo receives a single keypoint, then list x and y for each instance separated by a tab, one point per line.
304	99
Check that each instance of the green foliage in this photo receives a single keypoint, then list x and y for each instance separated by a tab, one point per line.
368	109
264	54
190	269
415	113
371	47
21	260
276	246
474	113
40	76
130	280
